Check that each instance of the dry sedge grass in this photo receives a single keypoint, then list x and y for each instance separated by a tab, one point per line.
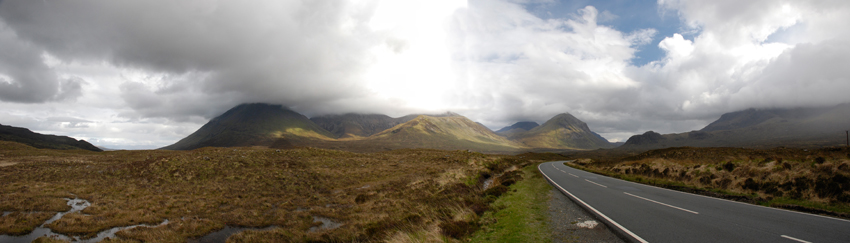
375	196
817	177
19	223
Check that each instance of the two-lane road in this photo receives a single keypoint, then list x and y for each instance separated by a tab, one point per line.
651	214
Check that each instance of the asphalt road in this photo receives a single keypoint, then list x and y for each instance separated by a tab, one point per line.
644	213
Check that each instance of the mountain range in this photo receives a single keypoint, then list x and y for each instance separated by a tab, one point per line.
37	140
279	127
798	127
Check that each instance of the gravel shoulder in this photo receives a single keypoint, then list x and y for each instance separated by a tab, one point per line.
571	223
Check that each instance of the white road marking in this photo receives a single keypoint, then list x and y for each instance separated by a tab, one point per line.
633	235
727	200
792	238
572	174
668	205
596	183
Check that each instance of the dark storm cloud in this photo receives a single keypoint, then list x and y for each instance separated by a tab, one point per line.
24	77
290	52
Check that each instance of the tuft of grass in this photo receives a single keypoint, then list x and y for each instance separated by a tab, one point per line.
18	223
815	181
520	215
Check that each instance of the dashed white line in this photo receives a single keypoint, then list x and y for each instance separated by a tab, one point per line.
595	183
792	238
629	232
572	174
727	200
668	205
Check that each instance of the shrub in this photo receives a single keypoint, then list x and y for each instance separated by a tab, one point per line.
751	184
729	166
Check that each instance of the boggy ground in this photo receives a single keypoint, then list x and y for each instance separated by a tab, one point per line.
811	180
401	195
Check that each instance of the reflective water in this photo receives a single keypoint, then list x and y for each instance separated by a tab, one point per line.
76	206
327	224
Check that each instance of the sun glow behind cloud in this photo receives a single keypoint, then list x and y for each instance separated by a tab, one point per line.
414	65
149	82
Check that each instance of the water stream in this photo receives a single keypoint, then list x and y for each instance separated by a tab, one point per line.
327	224
76	206
80	204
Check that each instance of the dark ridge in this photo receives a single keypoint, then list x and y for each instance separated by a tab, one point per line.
525	125
37	140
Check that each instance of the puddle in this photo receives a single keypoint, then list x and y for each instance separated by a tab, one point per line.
327	224
6	213
76	206
223	234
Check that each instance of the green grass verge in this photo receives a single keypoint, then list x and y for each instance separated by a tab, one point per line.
521	214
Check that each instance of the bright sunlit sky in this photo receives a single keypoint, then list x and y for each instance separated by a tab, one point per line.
144	74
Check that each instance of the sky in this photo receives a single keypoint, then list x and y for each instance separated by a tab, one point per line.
144	74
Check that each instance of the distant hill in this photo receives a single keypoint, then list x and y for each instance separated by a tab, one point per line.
250	125
279	127
563	131
518	127
358	125
37	140
445	131
799	127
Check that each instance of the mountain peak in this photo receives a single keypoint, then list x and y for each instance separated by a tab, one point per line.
563	131
251	124
649	137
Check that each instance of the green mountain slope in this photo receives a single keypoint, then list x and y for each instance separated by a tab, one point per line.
563	131
25	136
358	125
448	132
252	124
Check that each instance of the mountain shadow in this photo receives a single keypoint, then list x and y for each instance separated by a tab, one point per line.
353	125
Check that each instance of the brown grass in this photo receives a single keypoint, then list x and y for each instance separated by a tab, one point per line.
20	223
376	196
817	177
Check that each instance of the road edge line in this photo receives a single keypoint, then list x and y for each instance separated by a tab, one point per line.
717	198
608	221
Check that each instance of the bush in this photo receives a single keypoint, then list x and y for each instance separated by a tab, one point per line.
729	166
751	184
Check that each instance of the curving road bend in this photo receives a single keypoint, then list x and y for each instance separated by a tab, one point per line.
644	213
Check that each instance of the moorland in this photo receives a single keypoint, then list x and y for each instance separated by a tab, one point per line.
280	195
